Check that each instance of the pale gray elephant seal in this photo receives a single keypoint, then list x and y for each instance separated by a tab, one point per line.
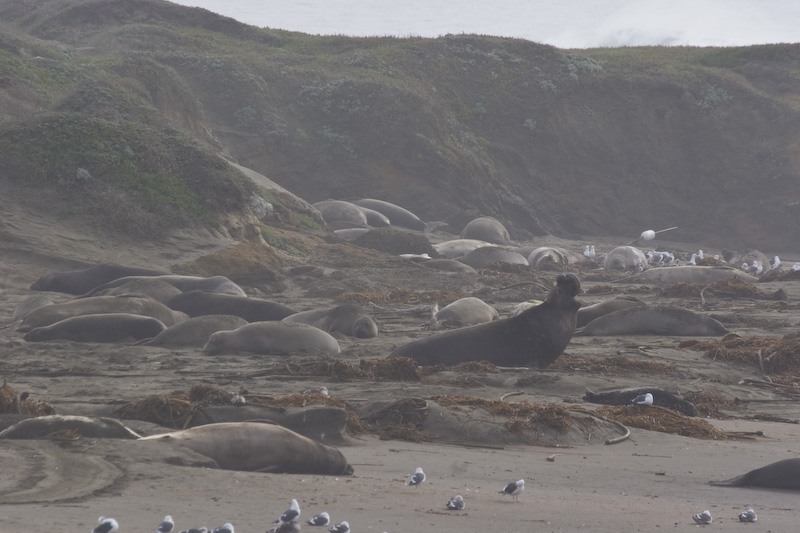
375	219
133	304
397	215
273	338
198	303
333	211
690	274
458	247
487	229
195	331
625	258
93	428
106	327
660	320
152	287
482	257
85	279
535	337
347	319
258	447
29	304
547	256
783	474
463	312
590	312
219	284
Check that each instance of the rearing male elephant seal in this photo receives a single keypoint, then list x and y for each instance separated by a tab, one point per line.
347	319
259	447
535	337
487	229
85	279
274	338
783	474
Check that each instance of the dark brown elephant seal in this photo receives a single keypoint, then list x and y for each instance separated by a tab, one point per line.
660	320
106	327
347	319
198	303
783	474
272	338
259	447
83	280
590	312
487	229
535	337
397	215
195	331
219	284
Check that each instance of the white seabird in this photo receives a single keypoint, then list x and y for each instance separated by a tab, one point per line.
748	516
775	263
514	488
321	519
293	513
226	528
417	477
107	525
703	518
288	527
796	266
456	503
166	525
195	530
320	390
341	527
643	399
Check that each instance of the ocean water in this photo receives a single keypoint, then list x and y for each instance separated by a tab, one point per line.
562	23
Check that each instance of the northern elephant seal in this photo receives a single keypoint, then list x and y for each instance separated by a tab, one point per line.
535	337
463	312
375	219
590	312
333	211
274	338
198	303
106	327
449	265
747	256
458	247
485	256
547	256
83	280
258	447
154	288
195	331
625	258
41	426
134	304
660	320
783	474
219	284
398	216
487	229
690	274
29	304
347	319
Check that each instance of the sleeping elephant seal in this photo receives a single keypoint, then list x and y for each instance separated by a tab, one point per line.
660	320
625	258
783	474
690	274
458	247
106	327
347	319
482	257
449	265
29	304
463	312
397	215
487	229
85	279
195	331
333	211
258	447
152	287
88	427
273	338
535	337
218	284
198	303
375	219
590	312
546	256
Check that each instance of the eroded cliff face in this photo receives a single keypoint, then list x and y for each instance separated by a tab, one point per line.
595	142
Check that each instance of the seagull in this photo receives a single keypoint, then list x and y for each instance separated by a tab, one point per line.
703	518
456	503
693	260
341	527
643	399
587	251
514	488
320	390
291	514
639	265
417	477
748	516
699	254
289	527
237	399
107	525
775	263
757	267
226	528
195	530
796	266
321	519
166	526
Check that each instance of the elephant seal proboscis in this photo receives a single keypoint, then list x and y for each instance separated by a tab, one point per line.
105	327
93	428
625	258
340	211
463	312
83	280
272	338
347	319
487	229
397	215
482	257
535	337
195	331
198	303
218	284
783	474
588	313
690	274
133	304
259	447
449	265
659	320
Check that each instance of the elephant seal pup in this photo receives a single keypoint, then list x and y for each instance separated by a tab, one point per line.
449	265
272	338
487	229
783	474
660	320
397	215
485	256
590	312
463	312
258	447
198	303
195	331
219	284
29	304
535	337
347	319
458	247
133	304
93	428
106	327
625	258
340	211
690	274
85	279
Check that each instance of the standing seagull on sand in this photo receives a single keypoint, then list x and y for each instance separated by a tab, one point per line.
417	477
292	514
107	525
166	526
514	488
